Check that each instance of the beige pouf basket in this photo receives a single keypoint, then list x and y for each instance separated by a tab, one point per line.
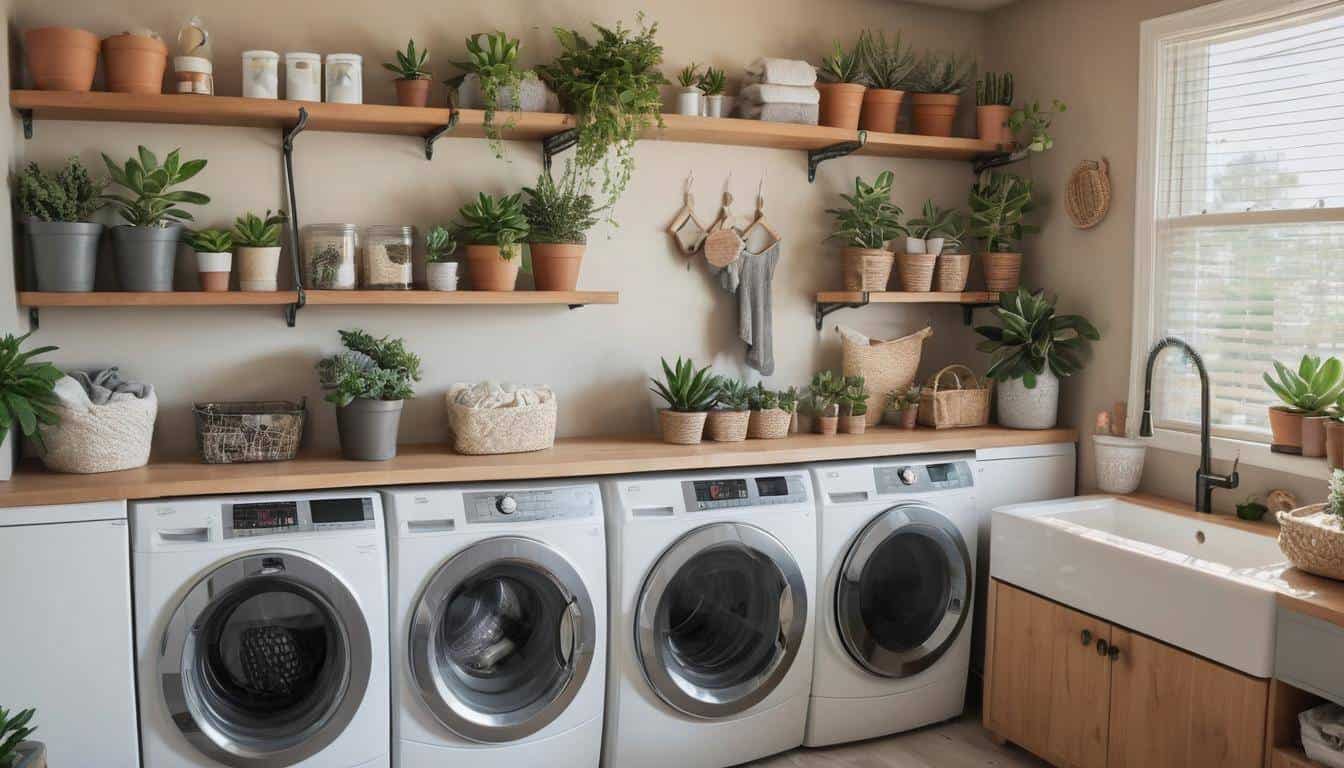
1313	540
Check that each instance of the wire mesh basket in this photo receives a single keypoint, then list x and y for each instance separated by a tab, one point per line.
230	433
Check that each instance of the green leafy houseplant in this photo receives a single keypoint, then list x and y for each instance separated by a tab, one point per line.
713	81
14	728
559	212
253	231
491	57
855	395
788	399
688	77
490	220
940	72
871	218
998	203
209	241
994	89
842	66
885	65
1037	123
1251	509
954	234
685	389
1030	337
70	194
761	399
934	222
1312	388
410	65
26	396
151	203
901	400
370	368
439	245
824	394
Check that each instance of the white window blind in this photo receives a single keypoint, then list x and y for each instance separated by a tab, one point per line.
1248	229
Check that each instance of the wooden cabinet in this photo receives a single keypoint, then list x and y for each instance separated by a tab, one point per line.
1083	693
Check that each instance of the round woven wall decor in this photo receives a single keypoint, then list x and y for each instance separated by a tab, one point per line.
1088	195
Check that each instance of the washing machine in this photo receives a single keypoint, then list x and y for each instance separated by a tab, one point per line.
896	558
499	624
261	630
712	578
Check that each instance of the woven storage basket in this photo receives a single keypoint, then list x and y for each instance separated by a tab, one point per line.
886	366
228	433
727	426
1313	540
1003	271
101	438
951	273
681	428
477	431
867	269
967	405
916	271
769	425
1087	196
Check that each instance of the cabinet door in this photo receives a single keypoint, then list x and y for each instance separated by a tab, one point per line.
1172	709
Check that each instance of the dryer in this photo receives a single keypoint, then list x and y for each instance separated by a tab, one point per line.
897	564
712	579
499	624
261	630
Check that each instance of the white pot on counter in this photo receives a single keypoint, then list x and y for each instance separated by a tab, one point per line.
688	101
1023	408
441	275
1119	463
714	105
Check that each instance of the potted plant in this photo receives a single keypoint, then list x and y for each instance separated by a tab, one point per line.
689	395
1036	121
842	83
1031	349
953	266
728	422
15	752
999	202
887	68
26	396
938	81
1307	393
369	383
57	210
712	83
923	243
870	221
258	242
490	69
214	257
993	107
559	216
413	79
492	228
440	269
823	400
135	62
61	58
770	418
788	403
903	407
854	414
146	246
690	96
1251	509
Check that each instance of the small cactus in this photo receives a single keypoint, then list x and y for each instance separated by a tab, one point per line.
994	89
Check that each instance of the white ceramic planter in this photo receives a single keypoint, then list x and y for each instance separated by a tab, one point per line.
1035	408
915	245
214	262
688	102
7	447
257	268
441	276
1119	463
714	105
933	245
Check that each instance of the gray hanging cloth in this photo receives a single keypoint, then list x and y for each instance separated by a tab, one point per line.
751	278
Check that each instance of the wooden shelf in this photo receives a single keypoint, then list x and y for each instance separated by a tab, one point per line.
1291	757
34	299
904	297
406	298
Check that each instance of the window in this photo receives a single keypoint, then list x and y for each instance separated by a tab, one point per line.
1239	232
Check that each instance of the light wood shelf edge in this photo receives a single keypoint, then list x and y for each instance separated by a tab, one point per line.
907	297
314	298
159	299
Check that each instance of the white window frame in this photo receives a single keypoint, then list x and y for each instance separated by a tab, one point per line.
1153	33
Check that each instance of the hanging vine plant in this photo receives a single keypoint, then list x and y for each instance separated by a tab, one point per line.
491	57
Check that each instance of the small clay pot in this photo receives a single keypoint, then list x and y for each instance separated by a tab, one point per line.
825	425
1313	435
488	270
841	104
1334	443
412	93
213	270
934	114
991	123
910	417
135	63
881	108
555	266
728	426
1003	271
853	425
1286	427
61	58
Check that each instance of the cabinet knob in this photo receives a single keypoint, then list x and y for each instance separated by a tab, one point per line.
1103	647
1087	637
1114	653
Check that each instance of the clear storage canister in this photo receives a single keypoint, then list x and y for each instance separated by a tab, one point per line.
387	257
345	78
303	76
261	76
193	65
329	254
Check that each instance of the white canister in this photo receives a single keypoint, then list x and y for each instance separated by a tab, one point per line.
303	76
261	76
1119	463
345	78
441	275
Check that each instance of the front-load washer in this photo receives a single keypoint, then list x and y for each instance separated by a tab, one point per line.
499	624
261	630
896	558
712	578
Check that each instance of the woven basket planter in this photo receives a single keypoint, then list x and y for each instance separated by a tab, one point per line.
681	428
727	426
1003	271
965	404
866	269
951	272
916	271
853	425
1313	540
769	425
886	366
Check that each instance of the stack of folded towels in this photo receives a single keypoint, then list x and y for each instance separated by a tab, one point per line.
780	91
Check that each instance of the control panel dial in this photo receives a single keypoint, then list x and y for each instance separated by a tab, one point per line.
506	504
908	475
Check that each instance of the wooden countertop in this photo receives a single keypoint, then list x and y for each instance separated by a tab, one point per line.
434	463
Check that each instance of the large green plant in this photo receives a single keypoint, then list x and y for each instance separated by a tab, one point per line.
1312	388
26	387
253	231
492	58
871	218
69	194
942	73
1030	337
842	66
490	220
13	729
374	369
999	202
686	389
151	203
559	212
885	65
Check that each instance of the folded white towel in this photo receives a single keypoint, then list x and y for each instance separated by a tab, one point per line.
768	93
803	114
782	72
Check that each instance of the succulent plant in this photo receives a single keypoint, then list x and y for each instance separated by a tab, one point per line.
374	369
490	220
14	729
491	57
942	73
855	395
439	245
253	231
899	400
761	399
409	65
733	394
1312	388
686	389
713	81
824	393
152	204
689	76
209	241
994	90
885	65
841	67
788	399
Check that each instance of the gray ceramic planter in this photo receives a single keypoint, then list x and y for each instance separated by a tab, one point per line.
1035	408
368	429
146	257
64	254
32	754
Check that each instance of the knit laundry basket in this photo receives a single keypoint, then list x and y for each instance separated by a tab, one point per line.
886	366
1313	540
101	438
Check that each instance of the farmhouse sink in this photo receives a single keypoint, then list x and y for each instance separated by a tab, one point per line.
1184	579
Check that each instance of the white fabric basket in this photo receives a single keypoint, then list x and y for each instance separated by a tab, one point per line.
99	438
500	420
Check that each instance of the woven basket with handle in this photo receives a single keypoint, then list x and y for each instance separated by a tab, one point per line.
1313	540
965	404
886	366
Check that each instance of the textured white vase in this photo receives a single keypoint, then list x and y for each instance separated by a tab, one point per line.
441	276
1035	408
1119	463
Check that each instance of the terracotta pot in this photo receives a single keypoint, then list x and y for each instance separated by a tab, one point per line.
1334	443
1003	271
951	272
992	124
682	428
934	114
213	270
840	105
412	93
909	417
728	426
61	58
1287	427
916	271
866	269
135	64
555	266
881	107
825	425
853	425
490	271
1313	436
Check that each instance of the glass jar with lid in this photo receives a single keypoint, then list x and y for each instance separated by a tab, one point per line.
387	257
329	256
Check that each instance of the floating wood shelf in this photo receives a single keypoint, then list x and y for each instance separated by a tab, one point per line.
830	301
407	298
164	299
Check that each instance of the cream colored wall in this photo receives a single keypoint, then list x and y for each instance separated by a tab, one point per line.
598	357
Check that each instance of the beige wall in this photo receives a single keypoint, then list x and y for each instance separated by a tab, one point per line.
597	357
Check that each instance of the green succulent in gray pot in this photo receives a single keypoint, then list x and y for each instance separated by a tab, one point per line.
368	383
146	246
493	229
57	211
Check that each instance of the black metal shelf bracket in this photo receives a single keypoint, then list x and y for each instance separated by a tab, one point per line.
33	319
287	146
555	144
577	306
985	162
437	133
816	157
26	115
825	308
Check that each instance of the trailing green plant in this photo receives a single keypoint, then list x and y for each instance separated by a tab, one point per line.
824	393
253	231
14	729
209	241
491	57
26	396
999	201
713	81
871	218
940	72
689	76
490	220
1312	388
440	244
885	65
994	90
151	204
788	399
1030	337
69	194
370	368
611	85
410	65
855	395
761	399
899	400
733	394
1037	123
842	66
1335	503
686	389
559	212
934	222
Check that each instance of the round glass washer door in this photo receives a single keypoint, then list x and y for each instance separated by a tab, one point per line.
265	661
903	593
720	619
501	639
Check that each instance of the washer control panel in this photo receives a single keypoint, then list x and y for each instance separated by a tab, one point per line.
918	478
529	505
728	492
267	518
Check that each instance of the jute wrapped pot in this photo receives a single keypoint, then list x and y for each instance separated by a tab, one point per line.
916	271
682	427
1313	539
769	424
1003	271
728	426
951	272
866	269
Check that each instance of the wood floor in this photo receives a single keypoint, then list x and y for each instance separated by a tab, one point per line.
954	744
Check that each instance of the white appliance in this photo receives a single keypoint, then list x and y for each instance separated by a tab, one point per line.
261	629
897	563
499	625
66	644
712	598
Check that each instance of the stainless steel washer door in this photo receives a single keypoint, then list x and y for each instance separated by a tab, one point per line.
266	660
903	592
501	639
720	619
